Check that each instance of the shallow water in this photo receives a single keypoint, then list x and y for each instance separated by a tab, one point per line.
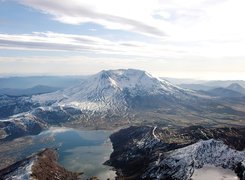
214	173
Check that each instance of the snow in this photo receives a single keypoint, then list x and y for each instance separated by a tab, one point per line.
195	156
153	133
22	172
23	121
148	141
214	173
208	152
159	159
104	91
21	118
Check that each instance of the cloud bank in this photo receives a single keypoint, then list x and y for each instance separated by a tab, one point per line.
175	37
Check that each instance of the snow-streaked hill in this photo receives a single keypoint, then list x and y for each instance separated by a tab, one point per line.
181	163
20	125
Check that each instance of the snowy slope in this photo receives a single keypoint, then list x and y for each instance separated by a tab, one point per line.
23	172
20	125
107	89
181	163
147	152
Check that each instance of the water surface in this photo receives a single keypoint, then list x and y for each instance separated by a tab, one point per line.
83	151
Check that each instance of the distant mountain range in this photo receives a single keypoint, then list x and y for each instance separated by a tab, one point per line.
223	92
232	91
39	89
206	85
32	81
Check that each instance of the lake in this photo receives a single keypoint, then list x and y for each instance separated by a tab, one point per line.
78	150
83	150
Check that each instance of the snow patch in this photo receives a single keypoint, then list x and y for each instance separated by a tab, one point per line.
23	172
154	135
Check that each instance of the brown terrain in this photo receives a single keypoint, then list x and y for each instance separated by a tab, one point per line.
45	167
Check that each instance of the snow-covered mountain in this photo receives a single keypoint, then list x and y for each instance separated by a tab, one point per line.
110	90
114	98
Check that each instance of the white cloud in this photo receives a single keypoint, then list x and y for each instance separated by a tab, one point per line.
50	41
189	37
127	15
141	16
204	22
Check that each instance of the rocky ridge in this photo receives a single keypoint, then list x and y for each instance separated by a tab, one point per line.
169	153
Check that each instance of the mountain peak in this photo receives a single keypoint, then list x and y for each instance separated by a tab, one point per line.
125	78
236	87
109	89
104	74
121	72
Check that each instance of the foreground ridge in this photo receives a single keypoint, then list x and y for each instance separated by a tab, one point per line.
147	152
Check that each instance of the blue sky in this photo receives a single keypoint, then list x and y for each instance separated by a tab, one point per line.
199	39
